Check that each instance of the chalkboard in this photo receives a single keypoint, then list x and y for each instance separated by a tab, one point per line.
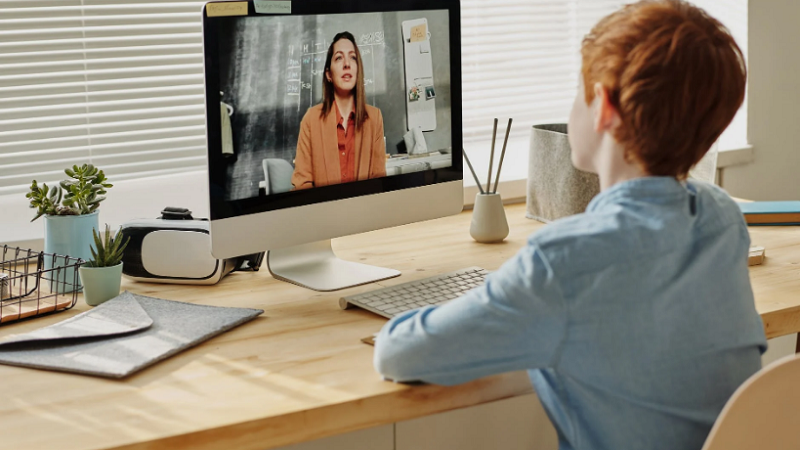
272	70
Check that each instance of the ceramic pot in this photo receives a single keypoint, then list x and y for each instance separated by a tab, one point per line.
100	284
489	222
69	236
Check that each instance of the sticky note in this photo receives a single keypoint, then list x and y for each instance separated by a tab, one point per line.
273	6
222	9
419	33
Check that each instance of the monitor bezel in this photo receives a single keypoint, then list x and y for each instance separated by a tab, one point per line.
220	208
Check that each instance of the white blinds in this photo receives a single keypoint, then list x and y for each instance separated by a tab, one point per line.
521	59
118	83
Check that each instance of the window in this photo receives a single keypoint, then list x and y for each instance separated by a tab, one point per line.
118	83
521	59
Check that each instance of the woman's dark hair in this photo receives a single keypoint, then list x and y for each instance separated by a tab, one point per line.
358	93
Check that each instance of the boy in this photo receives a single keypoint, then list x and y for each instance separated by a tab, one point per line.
635	320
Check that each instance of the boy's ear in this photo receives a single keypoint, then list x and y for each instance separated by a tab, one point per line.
606	117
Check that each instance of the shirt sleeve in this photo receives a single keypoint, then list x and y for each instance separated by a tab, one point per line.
378	160
517	320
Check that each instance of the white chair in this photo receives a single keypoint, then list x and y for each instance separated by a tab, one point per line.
764	413
277	175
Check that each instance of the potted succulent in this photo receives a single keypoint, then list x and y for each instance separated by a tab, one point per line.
70	211
102	274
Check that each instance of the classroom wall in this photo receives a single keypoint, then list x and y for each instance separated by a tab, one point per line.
271	71
774	99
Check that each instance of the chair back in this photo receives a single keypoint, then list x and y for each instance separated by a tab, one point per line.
277	175
764	413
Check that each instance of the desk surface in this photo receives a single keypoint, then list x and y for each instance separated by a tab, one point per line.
298	372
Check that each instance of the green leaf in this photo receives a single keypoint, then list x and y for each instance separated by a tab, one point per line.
95	200
101	256
94	257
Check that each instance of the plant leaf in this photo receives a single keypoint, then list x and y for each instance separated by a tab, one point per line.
94	257
95	200
99	246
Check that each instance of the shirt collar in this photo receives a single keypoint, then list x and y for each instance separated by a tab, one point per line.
649	189
339	118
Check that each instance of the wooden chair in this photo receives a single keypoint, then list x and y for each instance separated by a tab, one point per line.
764	413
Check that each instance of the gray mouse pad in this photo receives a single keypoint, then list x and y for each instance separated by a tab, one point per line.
121	336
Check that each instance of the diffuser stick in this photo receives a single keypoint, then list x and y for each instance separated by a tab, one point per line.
491	159
475	175
502	157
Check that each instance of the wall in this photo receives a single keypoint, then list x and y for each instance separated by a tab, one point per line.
774	96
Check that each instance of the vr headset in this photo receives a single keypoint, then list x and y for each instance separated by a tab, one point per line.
176	248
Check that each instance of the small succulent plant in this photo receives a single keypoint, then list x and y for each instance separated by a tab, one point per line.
107	249
78	195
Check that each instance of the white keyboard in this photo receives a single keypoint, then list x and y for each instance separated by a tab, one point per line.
436	290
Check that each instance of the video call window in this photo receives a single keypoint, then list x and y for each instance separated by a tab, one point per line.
312	101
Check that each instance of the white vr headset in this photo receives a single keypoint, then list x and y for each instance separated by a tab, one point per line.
176	248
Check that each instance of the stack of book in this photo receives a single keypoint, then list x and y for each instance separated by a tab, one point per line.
771	213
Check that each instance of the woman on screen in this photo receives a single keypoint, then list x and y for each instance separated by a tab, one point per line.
341	139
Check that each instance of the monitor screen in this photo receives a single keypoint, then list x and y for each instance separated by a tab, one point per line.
317	106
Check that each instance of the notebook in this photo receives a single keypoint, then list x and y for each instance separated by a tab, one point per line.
771	213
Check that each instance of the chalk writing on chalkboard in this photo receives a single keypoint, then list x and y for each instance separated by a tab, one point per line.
304	76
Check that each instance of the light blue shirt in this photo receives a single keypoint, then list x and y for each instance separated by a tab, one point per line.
635	320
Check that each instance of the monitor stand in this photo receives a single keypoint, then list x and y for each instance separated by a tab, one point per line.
316	267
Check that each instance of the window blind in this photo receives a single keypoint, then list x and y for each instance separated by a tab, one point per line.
521	59
118	83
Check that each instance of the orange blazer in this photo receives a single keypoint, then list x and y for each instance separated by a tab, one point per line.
317	159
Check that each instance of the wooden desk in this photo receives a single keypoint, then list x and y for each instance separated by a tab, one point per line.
299	372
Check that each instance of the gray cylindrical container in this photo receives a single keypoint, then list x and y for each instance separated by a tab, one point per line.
555	187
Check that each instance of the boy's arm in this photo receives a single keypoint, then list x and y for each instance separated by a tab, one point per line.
516	321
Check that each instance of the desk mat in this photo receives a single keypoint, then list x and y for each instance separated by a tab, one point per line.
121	336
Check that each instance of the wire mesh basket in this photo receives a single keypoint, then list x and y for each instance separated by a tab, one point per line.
36	283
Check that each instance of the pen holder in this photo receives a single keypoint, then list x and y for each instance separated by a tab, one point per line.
489	222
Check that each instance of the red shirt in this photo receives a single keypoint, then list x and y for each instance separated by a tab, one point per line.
347	144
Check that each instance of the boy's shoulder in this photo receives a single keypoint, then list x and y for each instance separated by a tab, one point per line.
624	233
715	207
581	242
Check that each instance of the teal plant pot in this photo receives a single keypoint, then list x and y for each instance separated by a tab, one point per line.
68	236
100	284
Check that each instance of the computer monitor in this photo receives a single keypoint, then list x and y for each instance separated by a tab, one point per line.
325	119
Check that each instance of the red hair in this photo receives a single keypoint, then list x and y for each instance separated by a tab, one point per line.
674	74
